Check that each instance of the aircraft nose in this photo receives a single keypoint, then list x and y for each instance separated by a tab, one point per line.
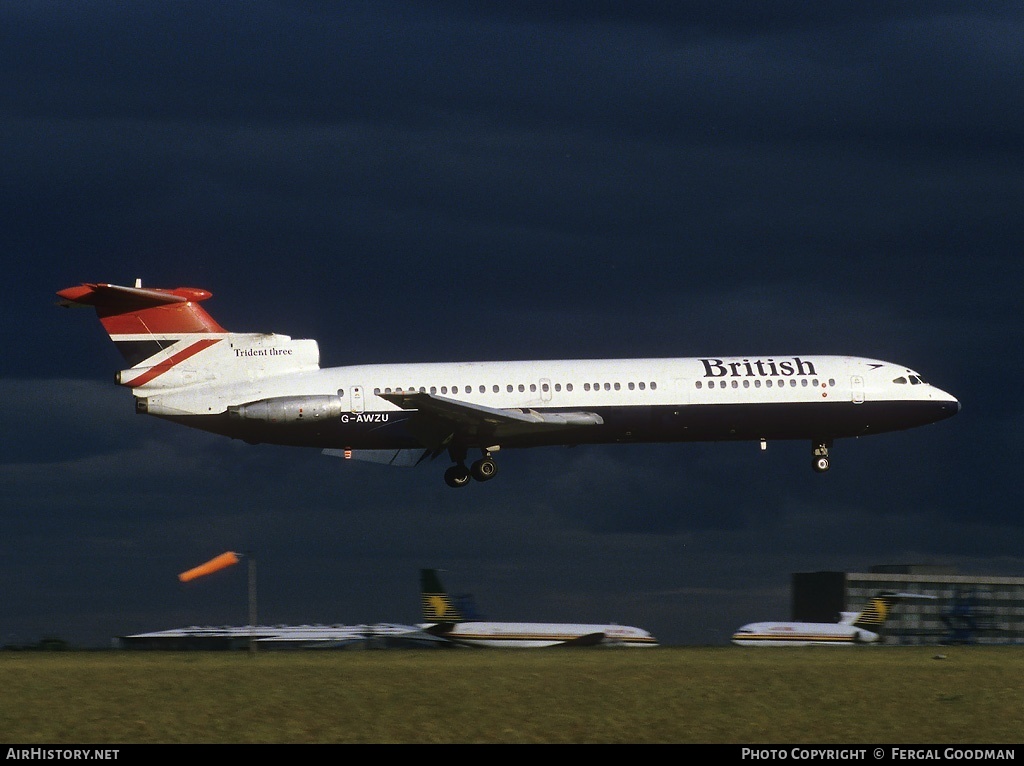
950	405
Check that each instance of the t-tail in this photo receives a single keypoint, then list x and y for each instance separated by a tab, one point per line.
438	606
878	609
144	322
181	362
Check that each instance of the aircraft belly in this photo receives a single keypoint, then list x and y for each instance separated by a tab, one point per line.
790	420
367	430
400	429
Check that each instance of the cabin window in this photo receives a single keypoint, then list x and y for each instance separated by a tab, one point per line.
653	385
568	386
641	385
618	387
698	384
735	384
521	388
586	386
631	385
495	388
757	383
746	383
533	388
607	387
558	386
433	389
483	389
544	387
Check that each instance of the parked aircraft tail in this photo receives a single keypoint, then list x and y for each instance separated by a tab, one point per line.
878	609
437	604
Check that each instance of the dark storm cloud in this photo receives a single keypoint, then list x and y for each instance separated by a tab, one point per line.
441	181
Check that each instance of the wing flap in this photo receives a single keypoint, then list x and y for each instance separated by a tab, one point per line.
478	416
401	457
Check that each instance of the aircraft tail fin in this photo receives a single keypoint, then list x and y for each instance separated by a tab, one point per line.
879	609
141	321
437	605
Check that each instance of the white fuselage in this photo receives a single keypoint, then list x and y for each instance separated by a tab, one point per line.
535	635
802	634
628	400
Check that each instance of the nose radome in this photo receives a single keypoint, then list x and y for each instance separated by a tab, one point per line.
951	402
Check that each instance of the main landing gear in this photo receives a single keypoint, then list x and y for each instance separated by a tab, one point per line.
459	475
819	449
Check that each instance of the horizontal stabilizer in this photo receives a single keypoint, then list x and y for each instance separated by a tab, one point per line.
101	294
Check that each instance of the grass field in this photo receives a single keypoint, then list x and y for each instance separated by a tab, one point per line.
871	695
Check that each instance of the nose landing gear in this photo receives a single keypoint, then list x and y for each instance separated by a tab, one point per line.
819	450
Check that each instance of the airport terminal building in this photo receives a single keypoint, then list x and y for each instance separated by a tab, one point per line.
964	610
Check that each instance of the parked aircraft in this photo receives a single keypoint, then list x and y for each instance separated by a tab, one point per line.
862	627
268	388
444	619
380	635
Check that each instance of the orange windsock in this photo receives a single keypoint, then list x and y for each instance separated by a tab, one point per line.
211	566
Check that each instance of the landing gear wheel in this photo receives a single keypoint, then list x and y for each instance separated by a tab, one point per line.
457	476
484	469
820	451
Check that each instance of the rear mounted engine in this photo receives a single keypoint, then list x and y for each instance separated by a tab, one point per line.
288	410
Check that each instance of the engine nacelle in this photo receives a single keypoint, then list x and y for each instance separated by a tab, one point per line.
288	410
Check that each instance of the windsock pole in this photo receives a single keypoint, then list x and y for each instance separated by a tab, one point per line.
252	605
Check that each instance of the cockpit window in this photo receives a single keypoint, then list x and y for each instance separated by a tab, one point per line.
916	380
901	380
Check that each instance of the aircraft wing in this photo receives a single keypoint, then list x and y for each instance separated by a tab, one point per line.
438	418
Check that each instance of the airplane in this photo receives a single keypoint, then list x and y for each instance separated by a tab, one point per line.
442	618
182	366
381	635
853	628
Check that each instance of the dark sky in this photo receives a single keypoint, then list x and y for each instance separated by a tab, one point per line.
443	181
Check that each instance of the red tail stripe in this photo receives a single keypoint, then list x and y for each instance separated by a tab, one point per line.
159	369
